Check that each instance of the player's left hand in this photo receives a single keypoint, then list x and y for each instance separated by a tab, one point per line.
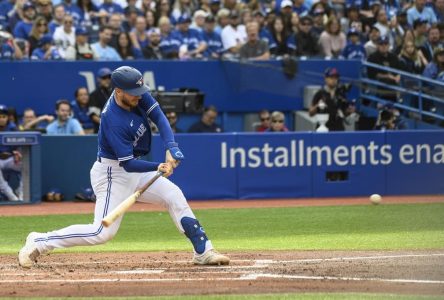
166	169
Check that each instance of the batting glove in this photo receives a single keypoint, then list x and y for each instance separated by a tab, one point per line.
175	152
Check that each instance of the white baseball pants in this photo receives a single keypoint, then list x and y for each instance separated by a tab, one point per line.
112	184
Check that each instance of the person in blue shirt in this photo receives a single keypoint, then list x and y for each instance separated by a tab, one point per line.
212	39
124	136
354	48
23	28
10	158
81	110
46	51
64	123
110	7
192	41
170	40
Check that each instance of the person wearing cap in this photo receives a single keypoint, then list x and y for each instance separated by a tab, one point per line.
384	57
420	11
198	20
45	50
214	7
64	123
212	39
81	50
233	35
433	41
98	98
125	136
192	45
372	44
10	157
152	50
330	100
435	69
102	48
317	26
23	27
332	39
307	42
354	48
222	20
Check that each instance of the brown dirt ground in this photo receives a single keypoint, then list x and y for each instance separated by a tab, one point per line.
171	273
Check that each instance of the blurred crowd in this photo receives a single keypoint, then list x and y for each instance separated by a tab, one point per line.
413	30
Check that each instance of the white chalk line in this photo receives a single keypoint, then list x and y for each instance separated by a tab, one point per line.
242	278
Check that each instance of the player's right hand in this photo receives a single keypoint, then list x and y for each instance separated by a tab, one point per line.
166	169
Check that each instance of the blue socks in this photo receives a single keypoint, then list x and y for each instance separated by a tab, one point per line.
195	233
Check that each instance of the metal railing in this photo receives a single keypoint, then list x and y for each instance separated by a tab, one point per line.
427	93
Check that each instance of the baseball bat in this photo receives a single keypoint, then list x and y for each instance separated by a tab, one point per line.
123	207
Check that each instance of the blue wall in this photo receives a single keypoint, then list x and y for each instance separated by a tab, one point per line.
287	165
231	86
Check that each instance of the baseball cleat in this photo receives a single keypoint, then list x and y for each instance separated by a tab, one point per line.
29	253
211	257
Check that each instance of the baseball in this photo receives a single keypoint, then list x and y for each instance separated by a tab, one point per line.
375	198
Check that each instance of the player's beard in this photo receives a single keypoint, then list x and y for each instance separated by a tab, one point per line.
130	101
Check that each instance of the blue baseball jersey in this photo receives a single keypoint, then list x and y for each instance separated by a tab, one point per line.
124	135
170	43
39	54
82	114
354	51
214	42
192	38
111	8
6	52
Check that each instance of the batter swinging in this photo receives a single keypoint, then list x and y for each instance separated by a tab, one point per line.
125	135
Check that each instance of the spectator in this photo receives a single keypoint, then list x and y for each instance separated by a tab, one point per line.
223	20
264	117
386	120
439	11
110	7
6	10
212	39
39	29
207	122
259	17
10	158
282	42
102	48
420	32
13	116
198	20
73	10
115	23
163	9
139	35
152	50
331	100
192	45
307	43
435	69
214	7
172	119
318	22
44	9
81	110
9	48
332	39
412	59
58	17
277	122
46	51
286	12
233	35
64	124
64	36
433	41
98	98
354	48
23	27
88	13
125	48
371	46
254	48
82	50
183	7
420	10
385	58
170	40
384	27
33	123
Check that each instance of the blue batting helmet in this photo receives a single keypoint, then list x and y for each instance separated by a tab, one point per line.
130	80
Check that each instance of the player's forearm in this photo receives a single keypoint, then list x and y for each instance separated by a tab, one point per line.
139	166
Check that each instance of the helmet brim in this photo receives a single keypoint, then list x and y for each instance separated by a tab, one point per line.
138	91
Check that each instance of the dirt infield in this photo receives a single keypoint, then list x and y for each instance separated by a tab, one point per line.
171	273
143	274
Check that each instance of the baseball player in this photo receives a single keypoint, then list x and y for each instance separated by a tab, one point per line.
124	135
